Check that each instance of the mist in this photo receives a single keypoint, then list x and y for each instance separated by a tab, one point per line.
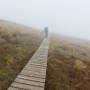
68	17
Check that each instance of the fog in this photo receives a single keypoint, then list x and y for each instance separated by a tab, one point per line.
69	17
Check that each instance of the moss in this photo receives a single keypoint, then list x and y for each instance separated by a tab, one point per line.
79	65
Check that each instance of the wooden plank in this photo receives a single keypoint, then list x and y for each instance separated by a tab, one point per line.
42	63
33	74
31	78
13	88
25	86
28	82
38	72
34	71
37	64
30	68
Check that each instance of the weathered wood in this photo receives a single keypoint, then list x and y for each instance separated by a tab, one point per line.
33	75
13	88
31	78
29	82
25	86
37	64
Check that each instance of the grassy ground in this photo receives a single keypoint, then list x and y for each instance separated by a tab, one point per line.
68	64
17	44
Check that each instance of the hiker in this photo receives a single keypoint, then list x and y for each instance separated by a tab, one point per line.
46	31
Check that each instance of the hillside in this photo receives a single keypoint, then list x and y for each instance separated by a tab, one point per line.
68	64
17	45
68	59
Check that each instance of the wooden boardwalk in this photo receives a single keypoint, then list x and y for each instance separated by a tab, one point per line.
32	77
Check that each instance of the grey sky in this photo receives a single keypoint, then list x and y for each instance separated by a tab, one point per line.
70	17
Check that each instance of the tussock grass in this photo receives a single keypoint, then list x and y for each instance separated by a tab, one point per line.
68	64
17	45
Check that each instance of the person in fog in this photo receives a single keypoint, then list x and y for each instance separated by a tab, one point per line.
46	31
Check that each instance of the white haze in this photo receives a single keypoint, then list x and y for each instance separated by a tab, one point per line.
69	17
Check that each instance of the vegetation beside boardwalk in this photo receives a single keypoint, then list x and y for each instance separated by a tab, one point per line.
68	64
17	45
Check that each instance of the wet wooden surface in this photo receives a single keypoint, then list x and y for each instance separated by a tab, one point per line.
33	75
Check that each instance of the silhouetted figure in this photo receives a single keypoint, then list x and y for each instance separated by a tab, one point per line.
46	31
